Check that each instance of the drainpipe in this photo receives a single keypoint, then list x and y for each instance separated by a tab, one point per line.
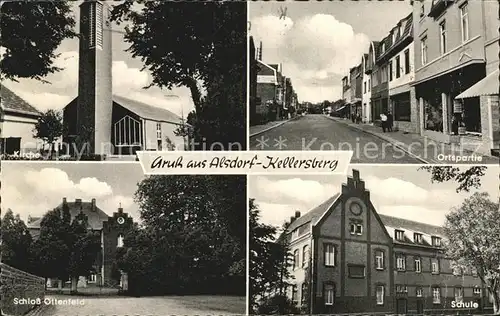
312	263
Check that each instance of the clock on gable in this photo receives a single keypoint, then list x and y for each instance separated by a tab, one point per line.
355	206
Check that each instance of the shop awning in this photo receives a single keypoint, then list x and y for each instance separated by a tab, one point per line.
340	108
487	86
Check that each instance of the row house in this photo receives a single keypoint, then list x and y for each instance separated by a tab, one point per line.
377	68
367	91
345	110
456	71
356	83
348	258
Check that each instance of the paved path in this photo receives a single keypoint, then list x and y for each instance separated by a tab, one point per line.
370	145
318	132
151	306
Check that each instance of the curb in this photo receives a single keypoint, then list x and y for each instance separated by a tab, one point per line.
274	126
395	144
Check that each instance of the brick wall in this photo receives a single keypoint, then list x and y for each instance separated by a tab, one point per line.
17	284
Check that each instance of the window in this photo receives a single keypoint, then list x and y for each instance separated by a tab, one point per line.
419	292
423	46
407	61
295	234
95	25
158	130
305	256
417	238
390	71
394	37
398	67
434	266
418	265
401	289
464	25
119	241
400	262
364	87
92	278
382	49
379	260
369	84
442	37
436	295
329	294
127	131
436	241
356	271
303	292
356	229
380	291
295	259
400	235
329	252
401	30
459	294
477	290
295	296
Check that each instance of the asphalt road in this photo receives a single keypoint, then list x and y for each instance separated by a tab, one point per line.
317	132
161	305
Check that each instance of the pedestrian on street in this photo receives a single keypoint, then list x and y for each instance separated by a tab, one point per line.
383	119
390	121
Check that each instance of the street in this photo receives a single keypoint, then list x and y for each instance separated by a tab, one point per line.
161	305
317	132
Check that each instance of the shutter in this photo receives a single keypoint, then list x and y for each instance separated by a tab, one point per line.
375	259
383	261
335	252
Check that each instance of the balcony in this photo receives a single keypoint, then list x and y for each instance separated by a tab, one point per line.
438	7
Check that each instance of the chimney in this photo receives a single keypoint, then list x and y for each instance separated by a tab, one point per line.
292	219
95	102
297	214
93	208
260	51
65	201
78	202
30	219
120	208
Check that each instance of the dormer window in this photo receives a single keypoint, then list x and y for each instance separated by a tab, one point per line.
400	235
401	30
417	238
295	234
382	49
436	241
394	36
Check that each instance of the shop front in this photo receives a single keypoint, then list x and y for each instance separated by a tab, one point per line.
443	119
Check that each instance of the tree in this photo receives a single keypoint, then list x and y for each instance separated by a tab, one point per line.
200	47
16	242
269	262
49	127
467	178
192	236
30	34
473	241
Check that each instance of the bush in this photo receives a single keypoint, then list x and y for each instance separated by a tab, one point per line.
278	305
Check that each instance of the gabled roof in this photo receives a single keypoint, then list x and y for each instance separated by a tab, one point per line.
12	102
314	214
95	218
147	111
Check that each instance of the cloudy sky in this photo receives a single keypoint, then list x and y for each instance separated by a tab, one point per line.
34	188
128	79
317	42
399	191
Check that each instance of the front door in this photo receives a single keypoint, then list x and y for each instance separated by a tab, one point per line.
420	307
401	306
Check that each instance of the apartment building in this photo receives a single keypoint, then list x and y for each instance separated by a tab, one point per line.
356	84
350	259
367	94
402	101
456	46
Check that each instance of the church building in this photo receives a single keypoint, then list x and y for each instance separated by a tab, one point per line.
347	258
110	124
112	230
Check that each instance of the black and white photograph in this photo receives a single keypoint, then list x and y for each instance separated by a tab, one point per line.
382	240
103	239
410	82
99	80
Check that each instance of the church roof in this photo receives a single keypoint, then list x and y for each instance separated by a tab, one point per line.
14	103
95	217
147	111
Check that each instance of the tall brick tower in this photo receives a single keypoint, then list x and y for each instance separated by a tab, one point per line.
94	106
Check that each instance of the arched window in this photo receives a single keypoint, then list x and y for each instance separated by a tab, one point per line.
120	241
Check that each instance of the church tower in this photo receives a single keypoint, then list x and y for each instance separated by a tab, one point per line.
95	103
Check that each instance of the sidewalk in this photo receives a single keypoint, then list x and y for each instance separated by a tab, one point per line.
420	147
259	129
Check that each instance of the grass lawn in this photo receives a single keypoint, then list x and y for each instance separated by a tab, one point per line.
231	304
